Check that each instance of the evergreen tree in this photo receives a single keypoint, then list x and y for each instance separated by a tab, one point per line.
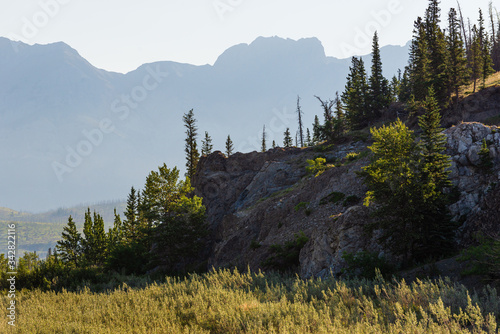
433	144
264	146
308	138
486	163
287	141
192	154
495	37
486	62
407	180
115	234
392	183
476	57
435	228
206	145
299	117
99	250
274	144
339	122
88	242
438	60
131	223
354	96
419	70
458	71
379	95
178	221
229	146
69	246
405	87
95	241
395	86
316	130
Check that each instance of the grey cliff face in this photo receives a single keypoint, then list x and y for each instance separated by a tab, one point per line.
260	198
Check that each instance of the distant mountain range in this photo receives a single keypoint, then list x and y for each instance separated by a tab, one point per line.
72	133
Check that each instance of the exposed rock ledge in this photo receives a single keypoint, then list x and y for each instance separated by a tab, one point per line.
252	200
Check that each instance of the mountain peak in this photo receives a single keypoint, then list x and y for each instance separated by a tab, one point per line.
273	48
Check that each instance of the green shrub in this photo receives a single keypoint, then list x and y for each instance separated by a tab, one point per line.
333	198
286	257
300	206
351	156
255	244
316	166
365	264
484	154
323	148
351	200
483	259
230	301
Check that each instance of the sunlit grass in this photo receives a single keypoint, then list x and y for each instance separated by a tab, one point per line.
232	302
492	80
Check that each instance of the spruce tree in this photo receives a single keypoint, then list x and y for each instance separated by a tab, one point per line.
316	130
287	140
264	146
299	118
100	239
206	145
308	138
115	234
131	222
192	154
438	60
486	62
69	246
229	146
458	71
419	70
354	96
379	98
88	242
435	229
393	185
433	144
339	123
274	144
476	57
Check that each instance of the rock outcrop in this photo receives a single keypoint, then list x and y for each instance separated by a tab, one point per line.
257	200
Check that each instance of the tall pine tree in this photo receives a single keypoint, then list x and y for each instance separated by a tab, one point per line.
419	73
438	60
70	245
264	135
206	145
229	146
287	141
458	71
486	62
192	154
354	96
435	229
379	94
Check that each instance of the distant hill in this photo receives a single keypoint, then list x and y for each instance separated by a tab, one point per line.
72	133
39	232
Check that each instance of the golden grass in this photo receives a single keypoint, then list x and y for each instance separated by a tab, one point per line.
231	302
491	81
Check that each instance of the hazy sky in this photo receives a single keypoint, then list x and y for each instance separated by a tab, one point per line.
120	35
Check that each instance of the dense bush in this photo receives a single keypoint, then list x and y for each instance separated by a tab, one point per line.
227	301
